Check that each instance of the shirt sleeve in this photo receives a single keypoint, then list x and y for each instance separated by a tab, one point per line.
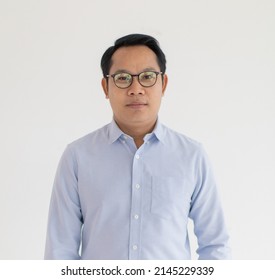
207	215
65	217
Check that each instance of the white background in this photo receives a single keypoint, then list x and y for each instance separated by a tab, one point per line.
221	92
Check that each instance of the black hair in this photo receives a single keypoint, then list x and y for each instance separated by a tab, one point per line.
133	40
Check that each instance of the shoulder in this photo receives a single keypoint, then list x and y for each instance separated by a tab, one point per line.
180	140
95	138
187	148
184	146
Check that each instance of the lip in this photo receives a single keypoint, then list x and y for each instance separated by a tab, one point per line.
136	105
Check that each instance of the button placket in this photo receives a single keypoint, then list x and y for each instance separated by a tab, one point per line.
135	223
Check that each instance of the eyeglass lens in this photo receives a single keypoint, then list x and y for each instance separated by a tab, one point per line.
146	79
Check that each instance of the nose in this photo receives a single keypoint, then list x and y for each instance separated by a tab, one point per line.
136	88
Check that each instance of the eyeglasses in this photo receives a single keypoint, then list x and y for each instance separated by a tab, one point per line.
124	80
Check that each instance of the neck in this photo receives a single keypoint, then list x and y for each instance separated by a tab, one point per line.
138	131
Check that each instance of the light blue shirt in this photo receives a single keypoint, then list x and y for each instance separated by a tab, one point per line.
115	201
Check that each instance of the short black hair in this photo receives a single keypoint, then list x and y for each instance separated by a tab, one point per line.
133	40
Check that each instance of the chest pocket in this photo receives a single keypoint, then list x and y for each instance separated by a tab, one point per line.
170	197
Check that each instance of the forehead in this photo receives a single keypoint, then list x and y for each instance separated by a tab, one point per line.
134	58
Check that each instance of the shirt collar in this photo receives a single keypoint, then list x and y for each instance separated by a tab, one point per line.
158	132
115	132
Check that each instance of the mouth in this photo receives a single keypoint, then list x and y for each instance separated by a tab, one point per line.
136	105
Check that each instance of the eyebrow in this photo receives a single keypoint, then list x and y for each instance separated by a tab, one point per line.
127	71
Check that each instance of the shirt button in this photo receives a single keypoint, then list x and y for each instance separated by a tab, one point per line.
137	156
137	186
136	216
135	247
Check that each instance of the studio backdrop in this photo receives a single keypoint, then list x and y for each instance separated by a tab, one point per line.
221	92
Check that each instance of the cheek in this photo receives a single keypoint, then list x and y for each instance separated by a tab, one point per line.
116	101
156	98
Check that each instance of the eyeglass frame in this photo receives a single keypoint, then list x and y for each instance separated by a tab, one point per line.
132	77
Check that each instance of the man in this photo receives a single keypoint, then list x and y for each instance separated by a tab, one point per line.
126	191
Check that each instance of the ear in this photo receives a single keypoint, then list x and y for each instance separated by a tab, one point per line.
104	84
164	83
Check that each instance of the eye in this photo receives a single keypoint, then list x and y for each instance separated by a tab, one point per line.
147	76
123	77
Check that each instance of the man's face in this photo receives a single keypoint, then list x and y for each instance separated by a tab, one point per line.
136	105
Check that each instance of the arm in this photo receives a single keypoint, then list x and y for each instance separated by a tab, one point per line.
65	218
207	214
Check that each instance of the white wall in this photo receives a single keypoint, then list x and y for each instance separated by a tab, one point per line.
221	65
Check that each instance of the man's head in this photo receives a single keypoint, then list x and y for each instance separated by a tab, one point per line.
134	79
133	40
